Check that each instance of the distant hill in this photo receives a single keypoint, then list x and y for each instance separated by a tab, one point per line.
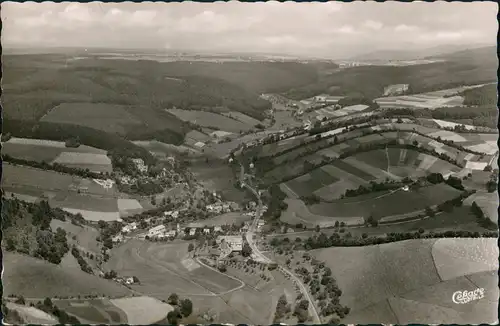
402	55
488	53
467	67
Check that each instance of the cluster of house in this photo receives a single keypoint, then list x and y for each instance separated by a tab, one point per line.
219	208
233	242
161	232
139	164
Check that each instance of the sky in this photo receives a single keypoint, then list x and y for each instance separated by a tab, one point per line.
331	29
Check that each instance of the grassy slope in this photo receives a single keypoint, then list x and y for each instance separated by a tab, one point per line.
35	278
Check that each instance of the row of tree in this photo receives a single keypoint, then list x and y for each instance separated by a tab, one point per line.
84	173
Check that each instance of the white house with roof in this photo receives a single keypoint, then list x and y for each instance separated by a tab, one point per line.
235	242
129	227
156	231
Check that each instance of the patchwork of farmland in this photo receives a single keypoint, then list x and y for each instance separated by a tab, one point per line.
210	119
415	279
387	204
430	100
298	212
39	150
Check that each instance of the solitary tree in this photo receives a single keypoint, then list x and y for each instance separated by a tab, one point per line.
186	307
246	250
173	299
190	247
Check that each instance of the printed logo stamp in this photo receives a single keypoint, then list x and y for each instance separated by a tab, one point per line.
463	297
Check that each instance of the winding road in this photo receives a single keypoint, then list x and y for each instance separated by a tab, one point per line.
249	235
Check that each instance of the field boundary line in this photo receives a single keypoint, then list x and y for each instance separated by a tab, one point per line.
239	287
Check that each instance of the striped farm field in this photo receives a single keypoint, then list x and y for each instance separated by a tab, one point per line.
352	170
377	158
40	150
93	162
306	185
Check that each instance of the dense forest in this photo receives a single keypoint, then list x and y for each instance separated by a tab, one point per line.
50	80
26	229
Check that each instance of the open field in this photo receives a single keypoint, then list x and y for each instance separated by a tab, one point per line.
488	202
32	315
94	310
40	181
162	150
154	262
142	310
392	274
35	278
93	162
105	117
298	212
210	119
242	117
40	150
387	204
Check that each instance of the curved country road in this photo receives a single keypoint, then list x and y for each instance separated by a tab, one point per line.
249	237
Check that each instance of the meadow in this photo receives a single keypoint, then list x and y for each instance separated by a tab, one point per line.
210	119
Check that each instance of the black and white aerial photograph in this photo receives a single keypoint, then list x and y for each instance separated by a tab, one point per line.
256	163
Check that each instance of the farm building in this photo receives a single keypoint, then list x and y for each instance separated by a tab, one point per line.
235	242
156	231
106	184
199	144
129	227
396	89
